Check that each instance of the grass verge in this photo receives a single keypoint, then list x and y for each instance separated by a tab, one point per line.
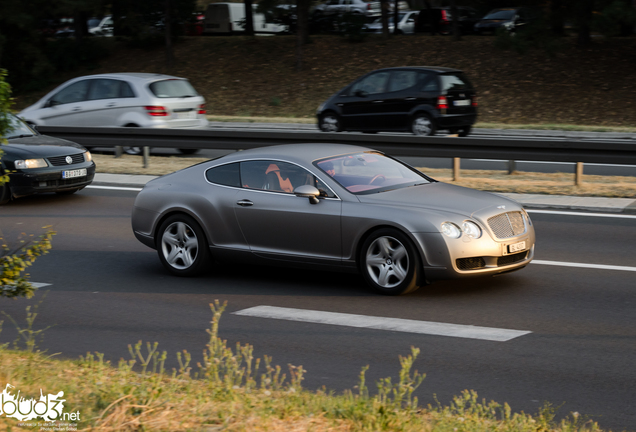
233	391
488	180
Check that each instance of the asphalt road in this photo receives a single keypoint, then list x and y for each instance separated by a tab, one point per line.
108	290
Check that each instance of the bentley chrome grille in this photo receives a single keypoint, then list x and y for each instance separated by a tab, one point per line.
64	160
506	225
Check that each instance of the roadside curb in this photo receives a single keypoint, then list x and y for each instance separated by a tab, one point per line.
529	201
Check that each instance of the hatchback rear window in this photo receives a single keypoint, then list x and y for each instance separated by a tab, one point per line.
172	88
455	81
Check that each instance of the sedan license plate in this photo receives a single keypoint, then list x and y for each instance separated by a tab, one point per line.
517	247
186	115
465	102
74	173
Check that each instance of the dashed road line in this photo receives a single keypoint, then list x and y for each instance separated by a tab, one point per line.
383	323
584	265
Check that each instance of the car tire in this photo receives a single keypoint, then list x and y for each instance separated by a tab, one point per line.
187	151
423	125
389	262
182	246
464	132
5	194
329	122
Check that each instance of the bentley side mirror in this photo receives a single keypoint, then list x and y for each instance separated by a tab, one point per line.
308	191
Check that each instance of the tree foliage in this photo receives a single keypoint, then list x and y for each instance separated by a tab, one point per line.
14	260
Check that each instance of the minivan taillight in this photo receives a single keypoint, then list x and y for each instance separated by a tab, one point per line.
442	103
474	101
201	109
156	111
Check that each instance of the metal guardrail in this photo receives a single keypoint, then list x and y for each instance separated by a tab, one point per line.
536	149
610	152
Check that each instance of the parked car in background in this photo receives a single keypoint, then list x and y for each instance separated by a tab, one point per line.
368	8
104	28
440	20
406	23
416	99
509	19
37	163
229	18
122	100
331	207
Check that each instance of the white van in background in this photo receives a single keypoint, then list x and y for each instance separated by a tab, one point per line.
229	18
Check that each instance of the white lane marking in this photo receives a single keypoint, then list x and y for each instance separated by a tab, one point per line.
380	323
39	284
584	265
567	213
114	188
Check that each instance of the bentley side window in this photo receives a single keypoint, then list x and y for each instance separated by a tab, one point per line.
226	175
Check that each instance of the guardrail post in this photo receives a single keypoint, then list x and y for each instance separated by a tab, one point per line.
146	153
456	168
578	175
118	151
512	166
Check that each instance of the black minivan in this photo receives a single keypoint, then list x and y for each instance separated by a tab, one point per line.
416	99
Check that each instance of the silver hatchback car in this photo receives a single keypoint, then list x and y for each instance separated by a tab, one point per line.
120	99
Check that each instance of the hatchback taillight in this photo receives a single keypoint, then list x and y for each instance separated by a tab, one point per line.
442	103
201	109
474	101
369	6
445	16
156	111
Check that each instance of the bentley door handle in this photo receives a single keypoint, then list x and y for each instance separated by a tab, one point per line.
245	203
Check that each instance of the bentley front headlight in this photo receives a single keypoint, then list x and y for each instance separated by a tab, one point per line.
451	230
30	163
471	229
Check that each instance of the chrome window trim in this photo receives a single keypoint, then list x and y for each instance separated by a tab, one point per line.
205	177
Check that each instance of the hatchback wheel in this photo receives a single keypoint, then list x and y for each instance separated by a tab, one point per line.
389	262
182	246
422	124
329	122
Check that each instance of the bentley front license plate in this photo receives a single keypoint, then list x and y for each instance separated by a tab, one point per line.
517	247
74	173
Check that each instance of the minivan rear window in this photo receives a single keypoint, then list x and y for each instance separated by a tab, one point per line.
455	81
172	88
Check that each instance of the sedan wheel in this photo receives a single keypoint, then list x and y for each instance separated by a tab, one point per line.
5	194
389	263
329	123
182	246
423	125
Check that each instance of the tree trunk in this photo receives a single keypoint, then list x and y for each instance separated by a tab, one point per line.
302	20
384	6
168	35
79	25
455	21
396	30
249	18
584	11
557	17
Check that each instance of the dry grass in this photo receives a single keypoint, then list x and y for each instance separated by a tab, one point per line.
493	181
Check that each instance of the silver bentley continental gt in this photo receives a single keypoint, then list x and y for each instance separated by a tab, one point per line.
334	207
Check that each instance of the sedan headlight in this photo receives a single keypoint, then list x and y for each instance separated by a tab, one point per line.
451	230
471	229
88	156
30	163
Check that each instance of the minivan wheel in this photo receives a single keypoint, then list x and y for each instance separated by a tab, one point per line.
329	122
422	124
182	246
389	262
463	132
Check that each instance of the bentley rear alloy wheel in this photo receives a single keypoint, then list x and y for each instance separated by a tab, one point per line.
182	246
